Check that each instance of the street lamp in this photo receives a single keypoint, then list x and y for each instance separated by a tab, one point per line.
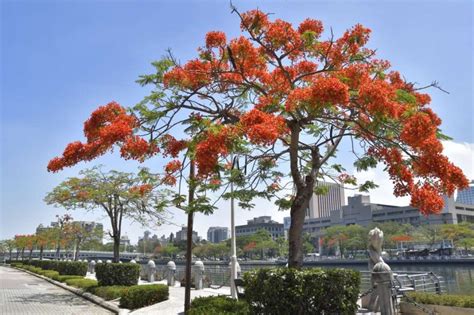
233	250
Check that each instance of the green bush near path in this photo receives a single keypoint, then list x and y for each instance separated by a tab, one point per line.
109	292
109	274
218	305
282	291
61	278
84	284
138	296
466	301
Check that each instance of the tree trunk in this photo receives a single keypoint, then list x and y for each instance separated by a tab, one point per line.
189	240
58	253
11	252
17	254
31	253
297	213
116	249
41	252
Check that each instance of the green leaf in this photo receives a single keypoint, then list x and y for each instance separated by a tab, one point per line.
365	187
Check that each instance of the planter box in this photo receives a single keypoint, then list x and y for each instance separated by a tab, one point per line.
410	309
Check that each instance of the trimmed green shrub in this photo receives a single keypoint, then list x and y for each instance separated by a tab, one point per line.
109	292
63	267
143	295
117	274
309	291
49	273
218	305
67	277
16	264
72	268
466	301
82	283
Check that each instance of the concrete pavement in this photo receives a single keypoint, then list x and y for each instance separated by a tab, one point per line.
21	293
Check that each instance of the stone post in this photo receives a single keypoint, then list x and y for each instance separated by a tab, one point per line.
171	273
108	261
99	261
198	274
151	269
92	266
238	270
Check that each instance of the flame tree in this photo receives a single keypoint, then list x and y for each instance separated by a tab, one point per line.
120	195
281	97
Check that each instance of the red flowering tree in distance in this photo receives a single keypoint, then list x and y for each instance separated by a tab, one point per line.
282	94
120	195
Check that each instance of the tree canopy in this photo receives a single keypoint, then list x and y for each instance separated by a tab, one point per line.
282	98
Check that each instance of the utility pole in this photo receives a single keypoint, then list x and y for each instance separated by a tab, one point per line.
233	250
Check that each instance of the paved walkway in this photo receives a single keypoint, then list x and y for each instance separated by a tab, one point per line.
22	293
175	304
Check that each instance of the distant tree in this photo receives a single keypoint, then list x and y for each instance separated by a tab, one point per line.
44	239
8	245
78	235
169	250
428	233
459	234
120	195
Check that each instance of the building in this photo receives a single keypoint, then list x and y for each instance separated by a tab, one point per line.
361	211
265	222
320	206
466	196
183	236
217	234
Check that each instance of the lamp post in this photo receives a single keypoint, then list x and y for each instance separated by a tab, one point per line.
233	250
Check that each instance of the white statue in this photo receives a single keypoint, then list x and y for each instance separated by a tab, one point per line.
382	277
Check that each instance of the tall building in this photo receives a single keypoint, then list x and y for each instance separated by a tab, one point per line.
217	234
362	212
466	196
320	206
265	222
183	236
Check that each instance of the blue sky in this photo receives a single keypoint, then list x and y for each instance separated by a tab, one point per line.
62	59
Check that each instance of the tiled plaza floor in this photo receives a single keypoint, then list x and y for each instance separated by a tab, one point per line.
21	293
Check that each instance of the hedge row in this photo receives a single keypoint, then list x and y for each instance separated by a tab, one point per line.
63	267
221	305
110	292
309	291
110	274
138	296
466	301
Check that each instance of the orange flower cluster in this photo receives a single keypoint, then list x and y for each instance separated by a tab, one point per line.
402	238
108	125
262	128
173	166
215	39
193	75
214	145
171	146
142	190
378	98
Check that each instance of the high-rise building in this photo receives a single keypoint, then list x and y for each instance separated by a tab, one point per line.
261	223
320	206
183	236
466	196
217	234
